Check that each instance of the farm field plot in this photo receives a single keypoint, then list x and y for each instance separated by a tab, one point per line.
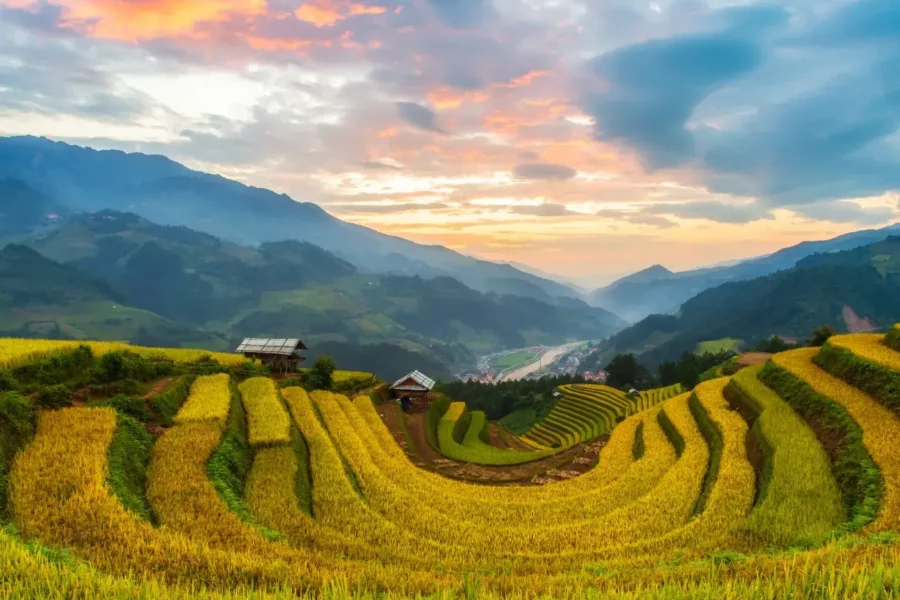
779	482
588	411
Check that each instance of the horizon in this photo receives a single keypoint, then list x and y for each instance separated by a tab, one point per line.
582	141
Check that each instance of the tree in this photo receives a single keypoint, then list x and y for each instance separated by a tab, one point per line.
321	373
821	334
625	371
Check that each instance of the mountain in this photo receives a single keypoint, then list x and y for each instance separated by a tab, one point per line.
296	288
659	291
169	193
39	297
24	209
850	290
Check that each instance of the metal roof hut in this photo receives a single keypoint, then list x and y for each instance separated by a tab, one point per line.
276	353
412	390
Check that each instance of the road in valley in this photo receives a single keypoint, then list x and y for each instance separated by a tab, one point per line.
548	357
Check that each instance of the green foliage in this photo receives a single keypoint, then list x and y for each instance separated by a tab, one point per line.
498	400
55	396
625	371
303	478
857	475
692	368
519	421
432	418
892	339
773	345
167	403
821	334
714	440
129	459
637	449
8	383
123	364
60	367
321	373
133	406
17	425
230	464
675	438
876	380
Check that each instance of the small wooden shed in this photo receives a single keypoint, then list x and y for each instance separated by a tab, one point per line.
412	390
277	353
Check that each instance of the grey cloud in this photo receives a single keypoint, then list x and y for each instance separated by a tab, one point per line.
419	116
714	211
544	171
839	211
374	164
379	209
543	210
461	13
637	218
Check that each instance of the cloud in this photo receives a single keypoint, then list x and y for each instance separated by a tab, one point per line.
379	209
374	164
461	13
547	209
842	211
419	116
636	218
544	171
713	210
645	93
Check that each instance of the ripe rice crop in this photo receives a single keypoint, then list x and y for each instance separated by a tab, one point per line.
880	427
209	400
799	498
268	423
472	449
18	351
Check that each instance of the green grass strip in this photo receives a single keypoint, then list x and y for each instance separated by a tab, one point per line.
303	478
167	403
637	449
858	478
675	438
713	438
892	339
129	458
879	381
17	426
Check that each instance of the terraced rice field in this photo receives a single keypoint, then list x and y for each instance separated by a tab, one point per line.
588	411
462	435
257	492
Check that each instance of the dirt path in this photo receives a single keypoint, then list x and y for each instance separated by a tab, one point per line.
748	359
158	387
496	437
565	465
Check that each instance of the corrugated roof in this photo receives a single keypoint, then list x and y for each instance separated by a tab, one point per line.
420	378
281	346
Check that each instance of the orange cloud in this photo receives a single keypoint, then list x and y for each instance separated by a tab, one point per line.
527	78
148	19
444	97
324	13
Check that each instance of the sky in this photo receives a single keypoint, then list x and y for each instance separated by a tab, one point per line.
580	138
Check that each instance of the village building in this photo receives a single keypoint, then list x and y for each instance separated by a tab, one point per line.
279	354
412	390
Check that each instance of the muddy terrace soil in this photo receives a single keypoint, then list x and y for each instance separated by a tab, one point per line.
565	465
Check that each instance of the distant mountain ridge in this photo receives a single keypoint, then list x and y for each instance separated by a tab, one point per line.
657	290
168	193
822	289
204	283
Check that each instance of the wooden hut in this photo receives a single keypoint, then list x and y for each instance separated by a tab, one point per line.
412	390
279	354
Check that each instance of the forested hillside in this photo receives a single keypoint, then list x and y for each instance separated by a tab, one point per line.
849	290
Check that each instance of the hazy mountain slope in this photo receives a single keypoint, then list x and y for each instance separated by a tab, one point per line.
295	288
39	297
24	209
789	303
657	290
166	192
